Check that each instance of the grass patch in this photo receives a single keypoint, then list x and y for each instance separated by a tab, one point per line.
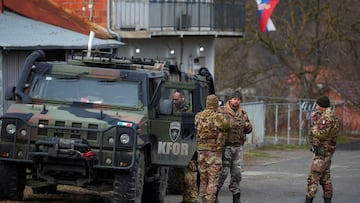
261	152
340	140
255	154
283	147
345	139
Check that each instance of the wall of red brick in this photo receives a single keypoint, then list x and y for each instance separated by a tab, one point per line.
97	13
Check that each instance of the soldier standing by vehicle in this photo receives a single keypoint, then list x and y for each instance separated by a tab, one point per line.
186	177
210	124
323	139
233	152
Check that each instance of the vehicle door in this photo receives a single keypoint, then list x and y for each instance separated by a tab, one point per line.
175	137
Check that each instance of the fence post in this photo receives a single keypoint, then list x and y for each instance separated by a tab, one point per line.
276	123
300	122
289	128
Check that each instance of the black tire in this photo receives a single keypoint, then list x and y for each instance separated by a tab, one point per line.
128	186
51	189
155	191
12	181
173	187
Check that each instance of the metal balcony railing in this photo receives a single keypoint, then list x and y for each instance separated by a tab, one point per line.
178	15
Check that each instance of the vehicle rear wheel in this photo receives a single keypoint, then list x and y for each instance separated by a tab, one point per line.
173	187
12	181
128	186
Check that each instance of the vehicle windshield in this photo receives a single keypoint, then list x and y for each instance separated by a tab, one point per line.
89	90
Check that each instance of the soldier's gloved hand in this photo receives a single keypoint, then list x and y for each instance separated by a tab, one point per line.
192	165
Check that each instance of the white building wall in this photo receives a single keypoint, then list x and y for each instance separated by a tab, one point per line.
186	51
1	84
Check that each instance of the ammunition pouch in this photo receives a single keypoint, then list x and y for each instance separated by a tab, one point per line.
318	165
318	151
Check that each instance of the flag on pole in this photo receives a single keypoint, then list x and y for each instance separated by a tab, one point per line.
265	9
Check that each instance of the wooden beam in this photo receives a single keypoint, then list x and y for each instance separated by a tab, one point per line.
52	13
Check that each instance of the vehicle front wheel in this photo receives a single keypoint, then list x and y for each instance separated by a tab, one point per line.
128	185
12	181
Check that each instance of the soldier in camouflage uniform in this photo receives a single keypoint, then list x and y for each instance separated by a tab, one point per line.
186	177
323	139
210	124
233	152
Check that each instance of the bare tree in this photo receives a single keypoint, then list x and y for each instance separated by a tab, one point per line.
310	33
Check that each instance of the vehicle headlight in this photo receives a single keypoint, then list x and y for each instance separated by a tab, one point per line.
124	138
10	128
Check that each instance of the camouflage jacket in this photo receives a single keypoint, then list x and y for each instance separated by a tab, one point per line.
210	126
182	108
325	130
240	125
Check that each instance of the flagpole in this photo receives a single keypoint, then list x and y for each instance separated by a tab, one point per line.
317	24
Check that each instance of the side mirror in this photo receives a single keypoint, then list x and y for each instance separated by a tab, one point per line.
166	107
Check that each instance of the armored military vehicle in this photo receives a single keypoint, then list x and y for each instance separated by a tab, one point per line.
99	122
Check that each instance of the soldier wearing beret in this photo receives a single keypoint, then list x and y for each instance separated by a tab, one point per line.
210	126
323	139
235	139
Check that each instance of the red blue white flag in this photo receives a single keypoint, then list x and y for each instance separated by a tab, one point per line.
265	9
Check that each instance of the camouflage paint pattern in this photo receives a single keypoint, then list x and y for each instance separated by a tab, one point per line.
37	125
71	116
323	138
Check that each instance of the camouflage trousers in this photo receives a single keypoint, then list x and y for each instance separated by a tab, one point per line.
320	174
210	167
187	178
232	160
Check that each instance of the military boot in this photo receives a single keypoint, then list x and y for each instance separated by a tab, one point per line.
236	198
327	200
308	199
